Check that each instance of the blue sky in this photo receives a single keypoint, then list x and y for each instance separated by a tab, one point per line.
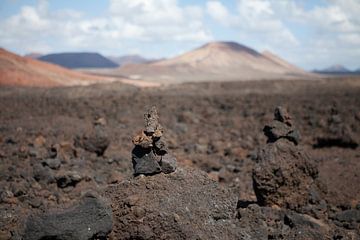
311	34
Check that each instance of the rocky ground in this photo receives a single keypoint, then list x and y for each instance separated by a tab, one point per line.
65	158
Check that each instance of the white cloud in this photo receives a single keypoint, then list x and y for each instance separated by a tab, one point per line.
220	13
254	20
319	36
159	20
333	31
137	20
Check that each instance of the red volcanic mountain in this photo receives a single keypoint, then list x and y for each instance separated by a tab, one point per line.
22	71
216	61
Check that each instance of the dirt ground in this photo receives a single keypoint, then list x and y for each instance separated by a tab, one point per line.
215	127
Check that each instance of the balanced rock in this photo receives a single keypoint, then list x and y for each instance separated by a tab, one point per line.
284	174
150	154
281	127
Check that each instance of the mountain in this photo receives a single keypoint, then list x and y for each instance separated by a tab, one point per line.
334	69
216	61
22	71
129	59
33	55
79	60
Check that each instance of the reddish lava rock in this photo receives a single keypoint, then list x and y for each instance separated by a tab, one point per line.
284	174
183	205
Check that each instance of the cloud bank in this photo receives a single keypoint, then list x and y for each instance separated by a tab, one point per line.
310	36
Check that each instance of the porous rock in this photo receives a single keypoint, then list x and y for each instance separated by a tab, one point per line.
349	219
68	178
284	173
168	163
281	127
90	219
97	141
182	205
337	133
53	163
150	154
145	161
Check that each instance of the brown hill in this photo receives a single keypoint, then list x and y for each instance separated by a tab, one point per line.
22	71
216	61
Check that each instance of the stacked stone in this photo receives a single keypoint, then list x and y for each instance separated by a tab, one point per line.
150	154
281	127
284	175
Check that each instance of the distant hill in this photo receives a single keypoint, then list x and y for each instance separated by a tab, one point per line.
33	55
215	61
22	71
79	60
334	69
129	59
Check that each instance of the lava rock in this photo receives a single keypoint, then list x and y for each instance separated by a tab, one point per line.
69	178
53	163
168	163
19	188
97	141
284	175
43	174
281	127
152	121
150	154
145	161
160	147
63	151
183	205
90	219
349	219
337	133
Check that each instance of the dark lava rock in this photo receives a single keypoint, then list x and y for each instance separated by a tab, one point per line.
281	127
43	174
183	205
53	163
69	178
19	188
349	219
96	141
284	174
145	161
274	223
168	163
90	219
337	133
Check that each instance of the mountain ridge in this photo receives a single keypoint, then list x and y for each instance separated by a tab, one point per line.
214	61
16	70
73	60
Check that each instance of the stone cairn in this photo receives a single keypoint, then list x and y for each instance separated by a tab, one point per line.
150	154
281	127
284	175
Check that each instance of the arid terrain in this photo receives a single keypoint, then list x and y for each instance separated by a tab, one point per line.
58	144
216	62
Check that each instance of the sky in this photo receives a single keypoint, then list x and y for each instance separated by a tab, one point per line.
312	34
